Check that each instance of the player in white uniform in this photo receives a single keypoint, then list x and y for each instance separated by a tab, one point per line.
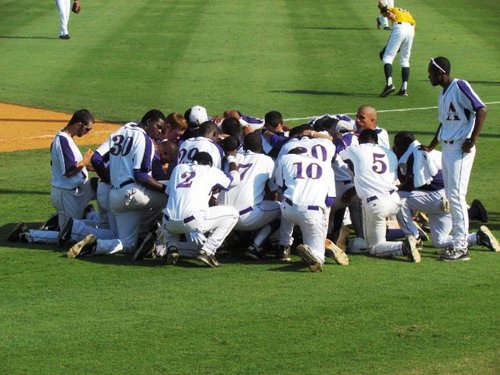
400	40
206	142
343	134
255	213
366	118
136	198
71	189
308	190
375	169
187	210
461	116
422	189
64	8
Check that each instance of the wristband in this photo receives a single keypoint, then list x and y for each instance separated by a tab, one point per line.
230	159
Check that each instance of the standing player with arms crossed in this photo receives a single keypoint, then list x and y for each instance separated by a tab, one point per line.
461	115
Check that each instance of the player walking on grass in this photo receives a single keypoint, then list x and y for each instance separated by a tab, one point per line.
401	39
461	115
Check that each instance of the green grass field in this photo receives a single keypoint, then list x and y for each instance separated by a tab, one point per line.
114	316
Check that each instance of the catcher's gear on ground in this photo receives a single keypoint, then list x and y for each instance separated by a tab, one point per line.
76	7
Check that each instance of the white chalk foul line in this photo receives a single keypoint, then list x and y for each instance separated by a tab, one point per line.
379	111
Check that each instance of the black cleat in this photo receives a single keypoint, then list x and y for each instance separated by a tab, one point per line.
387	90
477	211
16	234
146	247
284	253
65	233
487	239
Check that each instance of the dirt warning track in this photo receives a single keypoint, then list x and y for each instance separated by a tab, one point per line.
25	128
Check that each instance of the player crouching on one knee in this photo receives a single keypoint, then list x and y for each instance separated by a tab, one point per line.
308	189
188	212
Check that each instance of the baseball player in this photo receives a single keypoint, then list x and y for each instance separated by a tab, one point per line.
401	39
187	210
64	8
422	189
343	136
73	229
375	169
366	118
308	189
71	190
461	116
384	21
255	213
273	125
136	197
206	142
175	126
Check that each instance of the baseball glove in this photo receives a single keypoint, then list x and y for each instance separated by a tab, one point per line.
76	7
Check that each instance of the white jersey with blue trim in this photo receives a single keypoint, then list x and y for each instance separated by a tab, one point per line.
458	104
255	172
130	148
304	180
191	146
190	187
321	149
64	156
375	168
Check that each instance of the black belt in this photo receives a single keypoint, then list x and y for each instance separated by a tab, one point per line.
246	210
449	142
400	23
312	208
374	197
346	182
123	184
185	220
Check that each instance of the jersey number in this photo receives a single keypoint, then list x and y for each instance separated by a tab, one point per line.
319	152
243	169
187	180
379	165
121	145
312	170
185	155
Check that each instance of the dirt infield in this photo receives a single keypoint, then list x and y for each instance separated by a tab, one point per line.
25	128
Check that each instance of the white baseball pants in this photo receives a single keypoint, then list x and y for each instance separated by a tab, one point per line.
457	168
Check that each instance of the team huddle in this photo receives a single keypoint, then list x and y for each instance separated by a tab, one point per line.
196	186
